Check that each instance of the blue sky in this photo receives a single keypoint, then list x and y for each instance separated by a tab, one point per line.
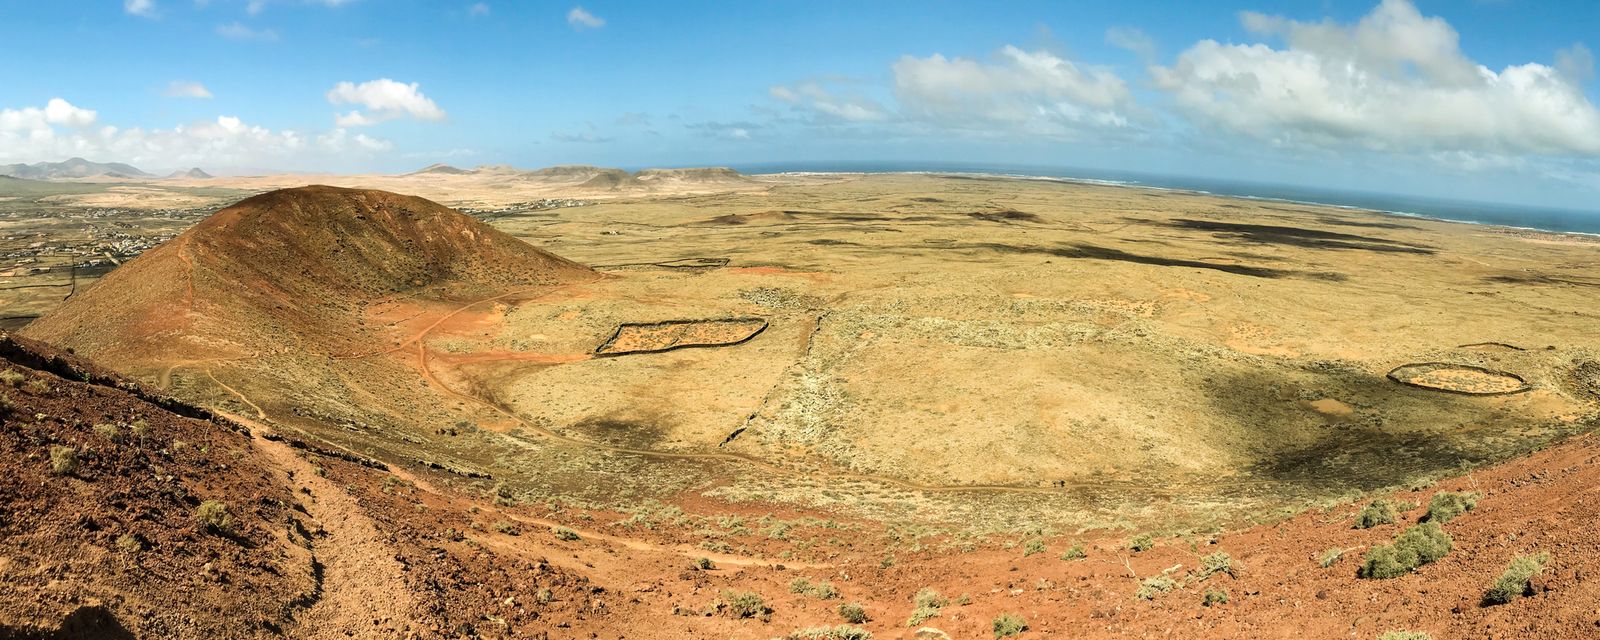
1487	100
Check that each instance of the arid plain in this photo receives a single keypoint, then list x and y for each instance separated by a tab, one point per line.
859	374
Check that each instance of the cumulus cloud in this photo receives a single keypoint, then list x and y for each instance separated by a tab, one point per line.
384	99
60	130
55	112
141	8
478	9
238	31
1034	91
1395	81
183	89
813	95
581	19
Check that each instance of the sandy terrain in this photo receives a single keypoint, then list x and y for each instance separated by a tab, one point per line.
946	369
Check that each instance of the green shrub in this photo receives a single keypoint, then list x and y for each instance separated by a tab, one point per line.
214	515
1074	552
1154	586
508	528
140	429
853	612
130	543
563	533
928	603
1215	597
1142	542
1405	635
1033	546
1330	556
12	377
820	590
1377	512
704	564
928	597
1416	546
1219	562
1446	505
63	460
841	632
745	604
36	387
109	431
1009	624
1514	583
823	591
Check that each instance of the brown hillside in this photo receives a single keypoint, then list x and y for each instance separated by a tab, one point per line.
96	540
294	266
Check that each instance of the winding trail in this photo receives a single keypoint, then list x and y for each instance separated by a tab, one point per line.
306	475
262	415
363	590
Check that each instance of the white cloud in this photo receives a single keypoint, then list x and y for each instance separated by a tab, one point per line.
55	112
1576	63
478	9
255	7
725	130
1132	39
1036	91
183	89
353	118
60	130
583	137
238	31
384	99
1395	81
141	8
581	19
813	95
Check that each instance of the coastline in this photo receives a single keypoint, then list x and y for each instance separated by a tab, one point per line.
1510	229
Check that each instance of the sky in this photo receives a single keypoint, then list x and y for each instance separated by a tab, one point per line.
1491	99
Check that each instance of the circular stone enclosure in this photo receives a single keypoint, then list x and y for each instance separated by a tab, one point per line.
1464	379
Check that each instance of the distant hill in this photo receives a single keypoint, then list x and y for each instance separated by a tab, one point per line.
440	168
701	175
194	173
71	169
10	186
223	284
593	178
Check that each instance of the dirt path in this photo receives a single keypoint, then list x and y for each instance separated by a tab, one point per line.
636	544
262	415
363	588
188	292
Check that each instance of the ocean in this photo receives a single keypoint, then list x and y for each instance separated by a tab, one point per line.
1508	215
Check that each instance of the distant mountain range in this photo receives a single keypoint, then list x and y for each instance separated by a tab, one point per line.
70	169
599	178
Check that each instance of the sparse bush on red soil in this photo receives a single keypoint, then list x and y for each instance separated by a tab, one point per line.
1416	546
